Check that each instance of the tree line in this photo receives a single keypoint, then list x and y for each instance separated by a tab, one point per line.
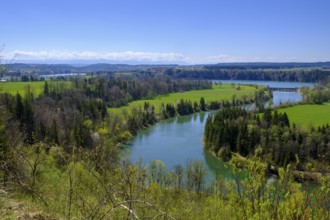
117	91
264	74
318	94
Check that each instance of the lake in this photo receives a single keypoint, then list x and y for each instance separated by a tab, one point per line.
179	140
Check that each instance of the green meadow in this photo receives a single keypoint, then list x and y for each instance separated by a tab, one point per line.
20	87
308	115
217	93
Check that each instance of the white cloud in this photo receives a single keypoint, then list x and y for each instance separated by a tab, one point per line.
228	59
102	56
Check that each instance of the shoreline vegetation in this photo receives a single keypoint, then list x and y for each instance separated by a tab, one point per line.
68	136
300	176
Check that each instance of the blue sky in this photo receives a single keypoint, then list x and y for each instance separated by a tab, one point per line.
165	31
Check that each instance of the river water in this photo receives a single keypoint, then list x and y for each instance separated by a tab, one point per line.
179	140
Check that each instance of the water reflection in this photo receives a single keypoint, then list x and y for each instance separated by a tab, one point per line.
184	119
195	117
202	117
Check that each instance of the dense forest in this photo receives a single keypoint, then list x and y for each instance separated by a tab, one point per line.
59	158
270	137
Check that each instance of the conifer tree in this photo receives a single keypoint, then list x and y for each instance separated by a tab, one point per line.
202	104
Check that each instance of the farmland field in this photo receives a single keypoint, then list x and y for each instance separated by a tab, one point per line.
308	115
20	87
217	93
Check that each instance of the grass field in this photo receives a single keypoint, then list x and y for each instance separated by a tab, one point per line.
20	87
217	93
308	115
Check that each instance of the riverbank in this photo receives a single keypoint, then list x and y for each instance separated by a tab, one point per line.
225	92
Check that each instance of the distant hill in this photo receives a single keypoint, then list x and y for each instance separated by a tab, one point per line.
66	68
301	72
126	67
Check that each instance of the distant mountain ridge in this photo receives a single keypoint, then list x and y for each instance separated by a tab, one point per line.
61	68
